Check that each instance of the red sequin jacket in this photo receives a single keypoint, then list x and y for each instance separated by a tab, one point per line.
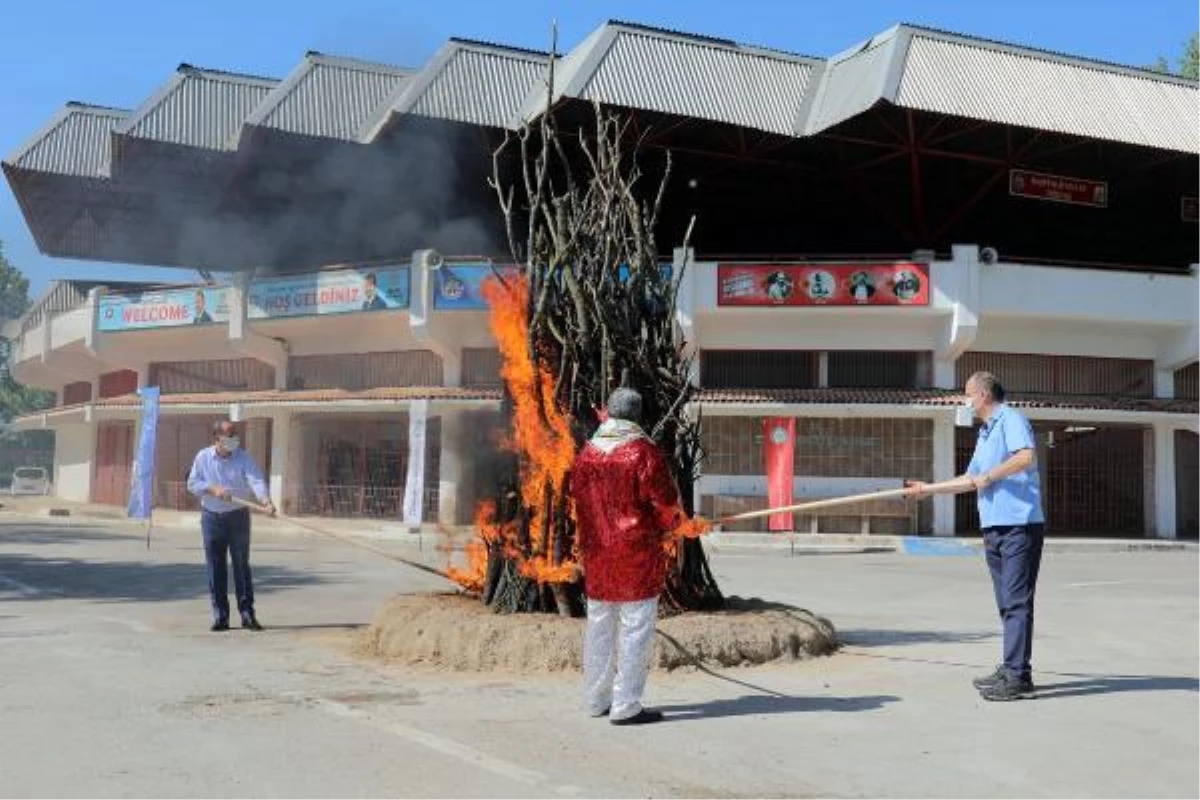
625	500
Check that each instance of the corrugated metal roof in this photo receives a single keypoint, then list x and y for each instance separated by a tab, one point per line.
328	97
852	83
199	108
967	78
700	78
473	83
74	142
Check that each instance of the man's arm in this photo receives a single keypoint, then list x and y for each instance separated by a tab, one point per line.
254	477
659	489
196	482
959	485
1019	444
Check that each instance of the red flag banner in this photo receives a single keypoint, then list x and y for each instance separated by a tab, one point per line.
779	446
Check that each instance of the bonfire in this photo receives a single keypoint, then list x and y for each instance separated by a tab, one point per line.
589	306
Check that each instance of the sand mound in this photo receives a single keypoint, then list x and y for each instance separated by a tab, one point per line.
458	633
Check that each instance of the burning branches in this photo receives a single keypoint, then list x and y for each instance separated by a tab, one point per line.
592	309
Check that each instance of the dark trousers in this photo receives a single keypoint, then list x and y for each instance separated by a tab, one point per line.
1014	555
230	533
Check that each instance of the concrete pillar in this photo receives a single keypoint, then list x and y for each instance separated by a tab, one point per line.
944	373
453	464
1164	481
74	455
823	369
943	470
281	446
1164	383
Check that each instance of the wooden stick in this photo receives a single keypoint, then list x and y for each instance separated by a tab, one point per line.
813	505
340	537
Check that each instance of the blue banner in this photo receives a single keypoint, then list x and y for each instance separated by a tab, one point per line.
141	487
169	308
456	287
383	288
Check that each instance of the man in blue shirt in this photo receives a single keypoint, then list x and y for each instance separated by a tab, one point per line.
1004	472
220	473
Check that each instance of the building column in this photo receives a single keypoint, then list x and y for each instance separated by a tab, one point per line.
943	470
281	446
453	467
1163	496
74	456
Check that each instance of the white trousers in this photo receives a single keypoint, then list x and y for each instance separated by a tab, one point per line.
616	655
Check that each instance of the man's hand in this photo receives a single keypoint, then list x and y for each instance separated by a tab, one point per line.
915	488
269	509
981	482
221	493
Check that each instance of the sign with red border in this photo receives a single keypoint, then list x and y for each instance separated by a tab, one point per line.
1057	188
818	284
1189	208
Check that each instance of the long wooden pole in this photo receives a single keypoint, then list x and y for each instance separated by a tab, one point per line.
341	538
832	502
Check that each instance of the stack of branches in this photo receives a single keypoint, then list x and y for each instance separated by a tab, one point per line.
580	221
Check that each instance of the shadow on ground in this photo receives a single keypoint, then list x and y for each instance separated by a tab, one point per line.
125	581
763	705
879	637
1112	684
59	533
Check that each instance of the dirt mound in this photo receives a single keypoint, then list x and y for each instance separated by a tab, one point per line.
458	633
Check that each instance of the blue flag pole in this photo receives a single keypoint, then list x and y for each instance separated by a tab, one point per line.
141	485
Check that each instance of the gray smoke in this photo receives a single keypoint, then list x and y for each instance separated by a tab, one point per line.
310	203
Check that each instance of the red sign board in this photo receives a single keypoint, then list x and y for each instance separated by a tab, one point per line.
903	284
1189	208
1057	188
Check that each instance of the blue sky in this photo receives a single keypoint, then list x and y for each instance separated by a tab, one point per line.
117	53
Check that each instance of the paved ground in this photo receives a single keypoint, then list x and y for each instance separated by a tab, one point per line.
110	684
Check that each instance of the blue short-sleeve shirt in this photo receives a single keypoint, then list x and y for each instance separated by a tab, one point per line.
1017	499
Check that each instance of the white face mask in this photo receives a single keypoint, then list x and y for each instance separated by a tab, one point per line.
964	415
229	443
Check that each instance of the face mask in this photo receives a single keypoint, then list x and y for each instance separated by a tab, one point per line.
964	415
230	443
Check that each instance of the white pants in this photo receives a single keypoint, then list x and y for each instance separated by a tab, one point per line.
616	655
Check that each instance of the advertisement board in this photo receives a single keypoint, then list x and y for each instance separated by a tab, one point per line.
816	284
1057	188
168	308
343	291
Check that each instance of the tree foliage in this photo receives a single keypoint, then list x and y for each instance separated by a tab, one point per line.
1187	63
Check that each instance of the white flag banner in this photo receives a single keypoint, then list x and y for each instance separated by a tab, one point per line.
414	482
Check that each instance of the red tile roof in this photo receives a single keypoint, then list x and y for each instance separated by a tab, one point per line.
273	396
941	397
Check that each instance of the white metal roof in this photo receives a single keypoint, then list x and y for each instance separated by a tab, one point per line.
328	97
198	108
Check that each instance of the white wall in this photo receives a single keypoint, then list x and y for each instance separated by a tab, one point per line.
1021	290
74	449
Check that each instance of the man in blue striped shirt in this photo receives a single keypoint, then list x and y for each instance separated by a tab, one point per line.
219	474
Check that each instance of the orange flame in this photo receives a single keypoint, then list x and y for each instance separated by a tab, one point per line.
541	434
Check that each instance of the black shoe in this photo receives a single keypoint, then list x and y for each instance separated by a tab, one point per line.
1009	687
643	717
990	679
250	623
220	625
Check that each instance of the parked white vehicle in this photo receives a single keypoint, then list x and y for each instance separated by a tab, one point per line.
29	480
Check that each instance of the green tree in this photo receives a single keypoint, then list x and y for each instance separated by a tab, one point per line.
15	399
1188	61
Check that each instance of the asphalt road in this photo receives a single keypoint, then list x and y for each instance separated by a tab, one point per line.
112	686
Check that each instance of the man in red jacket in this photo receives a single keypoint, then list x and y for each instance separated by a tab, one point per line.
625	502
